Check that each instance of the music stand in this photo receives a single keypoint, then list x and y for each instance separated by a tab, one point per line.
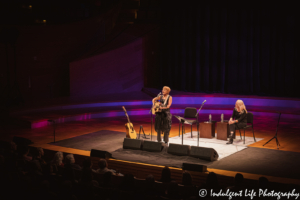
182	121
275	137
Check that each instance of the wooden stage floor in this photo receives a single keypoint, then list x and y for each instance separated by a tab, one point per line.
265	127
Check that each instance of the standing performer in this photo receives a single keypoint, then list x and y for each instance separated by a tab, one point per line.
240	119
163	119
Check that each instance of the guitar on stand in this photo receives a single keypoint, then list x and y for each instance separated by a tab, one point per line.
130	132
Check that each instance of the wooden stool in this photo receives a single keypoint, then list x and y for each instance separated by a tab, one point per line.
223	131
207	130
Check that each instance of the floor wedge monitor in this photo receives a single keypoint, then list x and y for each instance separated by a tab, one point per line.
153	146
204	153
132	143
179	149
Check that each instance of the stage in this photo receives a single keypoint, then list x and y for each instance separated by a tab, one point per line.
111	141
245	159
79	122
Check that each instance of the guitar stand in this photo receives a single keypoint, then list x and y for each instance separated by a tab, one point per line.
141	129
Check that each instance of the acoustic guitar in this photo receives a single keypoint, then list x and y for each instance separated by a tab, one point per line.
155	106
130	132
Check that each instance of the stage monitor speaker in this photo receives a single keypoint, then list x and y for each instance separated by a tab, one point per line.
153	146
179	149
22	141
204	153
194	167
132	143
100	154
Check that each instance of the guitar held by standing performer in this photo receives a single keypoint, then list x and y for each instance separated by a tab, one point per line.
156	104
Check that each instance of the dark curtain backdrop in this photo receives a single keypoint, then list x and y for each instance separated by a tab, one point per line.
238	49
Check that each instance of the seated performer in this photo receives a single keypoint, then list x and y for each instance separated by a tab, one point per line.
163	119
240	119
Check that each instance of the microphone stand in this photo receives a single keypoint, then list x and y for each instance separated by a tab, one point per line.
53	122
275	137
198	123
183	127
152	115
151	121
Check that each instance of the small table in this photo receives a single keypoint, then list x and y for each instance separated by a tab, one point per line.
223	131
207	130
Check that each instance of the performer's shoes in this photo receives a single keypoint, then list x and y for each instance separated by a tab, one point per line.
230	141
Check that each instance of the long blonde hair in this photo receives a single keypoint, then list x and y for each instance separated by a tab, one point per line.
240	104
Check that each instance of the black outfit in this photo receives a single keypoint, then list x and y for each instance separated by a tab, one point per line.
163	121
242	122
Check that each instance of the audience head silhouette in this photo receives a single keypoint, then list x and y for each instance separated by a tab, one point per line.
186	178
87	163
166	175
70	159
263	182
212	180
102	164
239	178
